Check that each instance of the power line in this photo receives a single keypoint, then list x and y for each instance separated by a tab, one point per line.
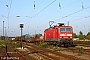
69	21
40	3
9	13
42	10
81	18
63	7
77	12
35	6
28	20
33	10
73	13
56	10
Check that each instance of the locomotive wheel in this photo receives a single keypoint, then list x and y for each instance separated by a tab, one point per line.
59	44
65	45
71	43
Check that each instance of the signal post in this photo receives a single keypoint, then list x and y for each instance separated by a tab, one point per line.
21	26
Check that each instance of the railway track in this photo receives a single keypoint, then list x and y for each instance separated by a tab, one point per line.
45	54
10	54
32	52
85	48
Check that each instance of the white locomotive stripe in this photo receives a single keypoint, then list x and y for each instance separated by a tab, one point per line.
69	34
62	35
65	34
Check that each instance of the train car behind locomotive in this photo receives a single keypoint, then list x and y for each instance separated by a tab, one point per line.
61	35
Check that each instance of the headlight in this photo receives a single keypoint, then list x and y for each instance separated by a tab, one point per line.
60	37
70	37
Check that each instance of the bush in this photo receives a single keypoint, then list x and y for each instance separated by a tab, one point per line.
2	37
1	46
88	42
16	44
45	45
80	49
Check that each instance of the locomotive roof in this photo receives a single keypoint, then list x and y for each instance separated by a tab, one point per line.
57	27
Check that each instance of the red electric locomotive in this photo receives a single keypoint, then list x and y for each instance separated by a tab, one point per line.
61	35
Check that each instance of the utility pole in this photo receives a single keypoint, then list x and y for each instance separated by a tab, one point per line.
3	30
68	23
35	35
5	34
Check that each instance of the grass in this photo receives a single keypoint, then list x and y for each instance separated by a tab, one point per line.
80	49
55	48
15	44
2	46
45	45
2	43
9	43
82	42
88	42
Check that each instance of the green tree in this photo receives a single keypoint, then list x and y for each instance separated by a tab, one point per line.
38	35
81	36
84	36
74	35
88	35
2	37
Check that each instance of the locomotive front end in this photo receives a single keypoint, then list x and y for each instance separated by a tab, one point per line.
66	35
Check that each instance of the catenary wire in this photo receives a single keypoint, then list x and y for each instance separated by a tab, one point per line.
73	13
41	10
62	7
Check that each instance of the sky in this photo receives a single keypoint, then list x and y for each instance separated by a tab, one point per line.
36	19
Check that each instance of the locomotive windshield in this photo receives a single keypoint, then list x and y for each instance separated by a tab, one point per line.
65	30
